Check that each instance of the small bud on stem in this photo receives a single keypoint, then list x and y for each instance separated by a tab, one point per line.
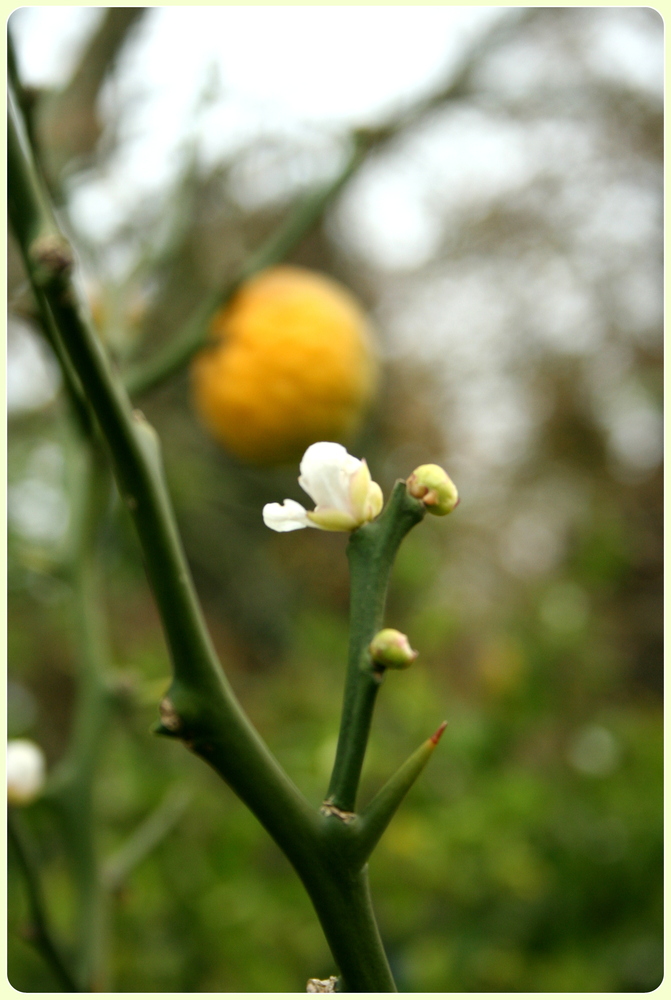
390	648
433	486
52	258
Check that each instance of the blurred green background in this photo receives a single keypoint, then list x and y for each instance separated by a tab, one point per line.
506	239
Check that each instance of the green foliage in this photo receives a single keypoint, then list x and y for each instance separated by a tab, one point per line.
508	869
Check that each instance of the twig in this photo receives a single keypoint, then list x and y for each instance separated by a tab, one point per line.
26	100
460	80
144	839
43	937
68	122
72	785
141	378
371	554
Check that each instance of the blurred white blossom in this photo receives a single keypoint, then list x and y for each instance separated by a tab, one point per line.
25	772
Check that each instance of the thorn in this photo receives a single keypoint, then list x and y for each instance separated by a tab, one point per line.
438	733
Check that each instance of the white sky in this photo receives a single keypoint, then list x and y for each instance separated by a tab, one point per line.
268	71
338	62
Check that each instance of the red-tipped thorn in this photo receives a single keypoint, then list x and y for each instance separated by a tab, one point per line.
438	733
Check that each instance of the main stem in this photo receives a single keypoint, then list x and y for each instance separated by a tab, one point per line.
201	706
341	898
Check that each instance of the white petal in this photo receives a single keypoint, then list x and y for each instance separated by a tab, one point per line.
289	516
326	470
359	486
374	502
332	520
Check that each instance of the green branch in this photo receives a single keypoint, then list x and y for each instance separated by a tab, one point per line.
144	839
26	101
73	390
201	708
42	938
72	785
371	552
141	378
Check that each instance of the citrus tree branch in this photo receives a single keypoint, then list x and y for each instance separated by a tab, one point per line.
42	935
66	123
144	838
201	707
371	553
72	786
143	377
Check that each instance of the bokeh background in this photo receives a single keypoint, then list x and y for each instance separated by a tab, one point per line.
505	236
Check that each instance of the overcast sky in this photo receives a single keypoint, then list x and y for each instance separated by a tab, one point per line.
266	70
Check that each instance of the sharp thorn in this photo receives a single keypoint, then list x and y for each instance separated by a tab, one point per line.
438	733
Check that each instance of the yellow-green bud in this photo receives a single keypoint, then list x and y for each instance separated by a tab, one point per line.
433	486
390	648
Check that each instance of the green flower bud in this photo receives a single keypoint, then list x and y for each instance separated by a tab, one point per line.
390	648
433	486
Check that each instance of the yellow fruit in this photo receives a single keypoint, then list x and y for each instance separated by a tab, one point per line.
290	363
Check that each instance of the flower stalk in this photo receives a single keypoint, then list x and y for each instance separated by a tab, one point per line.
371	553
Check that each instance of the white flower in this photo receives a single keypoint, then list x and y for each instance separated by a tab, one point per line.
341	487
25	772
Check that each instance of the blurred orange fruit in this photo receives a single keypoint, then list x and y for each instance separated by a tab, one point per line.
290	363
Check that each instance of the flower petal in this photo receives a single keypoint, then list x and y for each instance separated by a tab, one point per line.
289	516
326	469
359	486
374	502
329	519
